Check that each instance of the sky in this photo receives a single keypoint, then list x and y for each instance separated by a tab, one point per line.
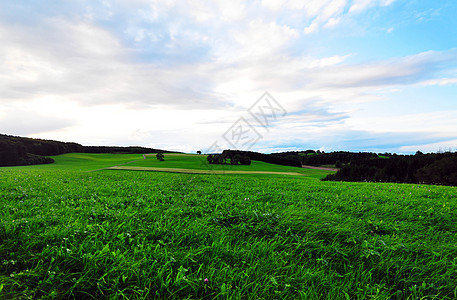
263	75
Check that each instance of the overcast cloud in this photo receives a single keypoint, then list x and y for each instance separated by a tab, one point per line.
351	74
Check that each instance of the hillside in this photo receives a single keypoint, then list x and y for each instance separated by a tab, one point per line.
17	151
173	163
431	168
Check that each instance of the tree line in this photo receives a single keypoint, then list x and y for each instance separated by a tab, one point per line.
299	158
432	168
268	158
18	151
318	158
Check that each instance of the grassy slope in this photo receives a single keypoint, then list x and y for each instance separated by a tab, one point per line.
66	233
83	162
93	162
199	162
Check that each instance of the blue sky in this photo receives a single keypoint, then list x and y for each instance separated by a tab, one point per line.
357	75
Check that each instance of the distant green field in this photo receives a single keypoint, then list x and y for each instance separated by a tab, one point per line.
83	162
199	162
74	230
94	162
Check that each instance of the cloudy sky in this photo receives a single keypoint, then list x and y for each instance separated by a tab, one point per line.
359	75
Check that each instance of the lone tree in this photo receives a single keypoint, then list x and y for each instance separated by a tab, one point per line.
160	156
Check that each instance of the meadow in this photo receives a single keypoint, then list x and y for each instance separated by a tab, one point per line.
75	229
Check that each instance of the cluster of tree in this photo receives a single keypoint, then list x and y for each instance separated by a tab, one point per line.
16	151
15	154
433	168
229	157
268	158
318	158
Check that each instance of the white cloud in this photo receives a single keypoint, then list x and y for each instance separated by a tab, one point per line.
387	2
201	11
332	22
255	41
273	4
441	81
360	5
311	28
81	62
332	9
324	13
232	10
314	8
442	146
220	10
398	71
26	121
440	122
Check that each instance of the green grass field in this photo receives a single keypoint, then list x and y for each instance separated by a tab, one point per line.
83	162
69	231
97	162
199	162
